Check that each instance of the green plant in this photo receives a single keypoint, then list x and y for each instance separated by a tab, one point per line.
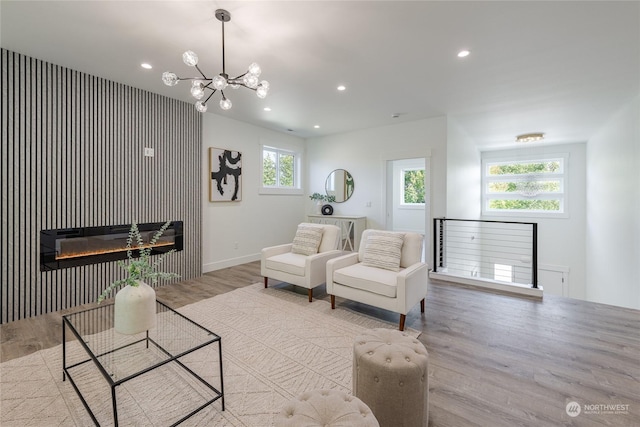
322	197
141	268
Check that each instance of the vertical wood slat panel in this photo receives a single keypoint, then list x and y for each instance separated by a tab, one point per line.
72	155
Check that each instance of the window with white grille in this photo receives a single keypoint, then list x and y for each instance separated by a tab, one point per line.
535	186
281	171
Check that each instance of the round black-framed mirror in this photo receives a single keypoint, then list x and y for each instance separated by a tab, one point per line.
339	186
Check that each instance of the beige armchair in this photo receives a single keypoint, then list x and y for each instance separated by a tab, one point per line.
303	262
386	272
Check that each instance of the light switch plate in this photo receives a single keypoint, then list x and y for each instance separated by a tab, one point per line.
148	152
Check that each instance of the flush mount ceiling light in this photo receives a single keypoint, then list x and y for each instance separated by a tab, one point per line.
199	85
530	137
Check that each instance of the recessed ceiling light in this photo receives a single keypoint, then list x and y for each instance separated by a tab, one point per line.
463	53
267	109
316	126
342	87
146	66
530	137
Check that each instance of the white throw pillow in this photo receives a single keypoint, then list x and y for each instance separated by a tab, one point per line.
307	240
383	250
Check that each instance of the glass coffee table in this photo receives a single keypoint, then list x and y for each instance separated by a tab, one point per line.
122	358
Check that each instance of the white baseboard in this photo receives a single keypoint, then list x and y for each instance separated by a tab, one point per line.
219	265
488	284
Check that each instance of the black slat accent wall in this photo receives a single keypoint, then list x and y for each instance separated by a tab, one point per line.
72	155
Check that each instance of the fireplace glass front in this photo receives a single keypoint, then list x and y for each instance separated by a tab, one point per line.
73	247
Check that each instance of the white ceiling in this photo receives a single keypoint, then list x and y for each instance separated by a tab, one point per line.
563	68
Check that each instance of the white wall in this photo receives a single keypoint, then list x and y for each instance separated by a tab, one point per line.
613	210
463	174
365	153
561	241
258	220
463	188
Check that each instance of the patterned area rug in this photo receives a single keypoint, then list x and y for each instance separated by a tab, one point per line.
275	346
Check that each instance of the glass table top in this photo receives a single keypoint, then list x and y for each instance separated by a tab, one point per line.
122	356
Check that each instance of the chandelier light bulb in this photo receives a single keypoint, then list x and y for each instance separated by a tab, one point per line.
225	103
262	90
190	58
219	82
250	81
201	107
234	86
197	91
169	78
255	69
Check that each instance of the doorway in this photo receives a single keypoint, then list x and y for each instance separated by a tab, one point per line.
407	195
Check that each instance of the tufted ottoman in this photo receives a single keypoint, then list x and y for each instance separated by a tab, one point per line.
390	375
331	408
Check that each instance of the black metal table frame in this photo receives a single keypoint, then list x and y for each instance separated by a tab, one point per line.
219	394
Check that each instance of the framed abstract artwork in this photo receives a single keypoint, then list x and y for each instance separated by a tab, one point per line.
225	175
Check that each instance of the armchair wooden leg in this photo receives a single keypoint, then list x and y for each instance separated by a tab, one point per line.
310	295
403	317
266	279
422	305
333	302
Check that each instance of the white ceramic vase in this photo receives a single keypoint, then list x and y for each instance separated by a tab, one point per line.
135	309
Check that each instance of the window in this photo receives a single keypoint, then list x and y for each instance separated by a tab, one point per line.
503	272
525	187
280	171
412	192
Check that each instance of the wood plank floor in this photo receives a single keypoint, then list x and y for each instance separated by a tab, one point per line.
494	360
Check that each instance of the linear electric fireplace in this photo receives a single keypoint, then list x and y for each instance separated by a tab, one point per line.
73	247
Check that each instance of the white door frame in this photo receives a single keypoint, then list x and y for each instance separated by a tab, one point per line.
411	154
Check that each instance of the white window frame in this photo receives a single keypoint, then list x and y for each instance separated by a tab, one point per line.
297	172
403	204
562	194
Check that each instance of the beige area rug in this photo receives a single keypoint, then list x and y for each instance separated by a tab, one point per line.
275	345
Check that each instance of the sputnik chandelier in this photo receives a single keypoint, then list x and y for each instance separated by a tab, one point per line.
199	85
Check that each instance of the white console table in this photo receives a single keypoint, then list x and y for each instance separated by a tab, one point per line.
351	228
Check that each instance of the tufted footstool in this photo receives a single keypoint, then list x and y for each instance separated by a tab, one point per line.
331	408
390	375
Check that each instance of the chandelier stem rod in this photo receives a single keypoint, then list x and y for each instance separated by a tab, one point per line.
200	71
210	95
224	72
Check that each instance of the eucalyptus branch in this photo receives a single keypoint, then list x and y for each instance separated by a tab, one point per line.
141	268
159	233
111	287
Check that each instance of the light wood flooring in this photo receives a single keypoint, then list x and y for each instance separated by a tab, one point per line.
494	360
